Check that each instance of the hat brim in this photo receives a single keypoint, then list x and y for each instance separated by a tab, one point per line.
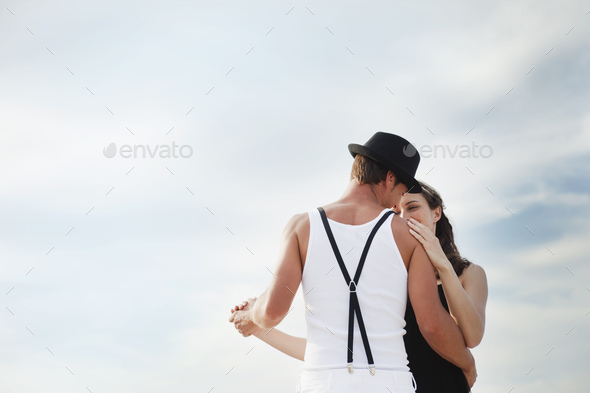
412	184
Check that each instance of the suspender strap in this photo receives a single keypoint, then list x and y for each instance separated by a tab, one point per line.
354	306
335	248
357	310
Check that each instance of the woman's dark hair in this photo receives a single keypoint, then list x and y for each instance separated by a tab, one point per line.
444	230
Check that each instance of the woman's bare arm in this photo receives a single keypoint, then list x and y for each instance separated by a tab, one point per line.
287	344
467	298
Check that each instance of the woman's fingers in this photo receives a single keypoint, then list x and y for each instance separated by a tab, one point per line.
421	227
418	236
417	223
422	230
240	306
417	226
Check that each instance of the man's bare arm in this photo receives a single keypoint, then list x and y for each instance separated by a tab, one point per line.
274	304
436	325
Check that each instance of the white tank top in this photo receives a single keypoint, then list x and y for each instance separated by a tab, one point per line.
382	293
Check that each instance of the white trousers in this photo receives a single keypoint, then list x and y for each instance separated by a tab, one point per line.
361	381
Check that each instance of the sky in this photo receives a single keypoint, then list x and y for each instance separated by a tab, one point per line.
152	153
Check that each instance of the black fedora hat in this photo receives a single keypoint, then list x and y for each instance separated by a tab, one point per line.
394	153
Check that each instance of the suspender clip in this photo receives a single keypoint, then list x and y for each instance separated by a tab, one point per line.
352	286
372	369
350	369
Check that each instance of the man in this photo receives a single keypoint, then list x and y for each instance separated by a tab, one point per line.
355	327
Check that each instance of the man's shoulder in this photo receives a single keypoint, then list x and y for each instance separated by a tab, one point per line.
300	218
406	243
299	222
400	228
298	228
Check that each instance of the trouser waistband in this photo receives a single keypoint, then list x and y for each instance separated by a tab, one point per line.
395	381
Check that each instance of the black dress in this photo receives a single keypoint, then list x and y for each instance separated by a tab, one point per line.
433	374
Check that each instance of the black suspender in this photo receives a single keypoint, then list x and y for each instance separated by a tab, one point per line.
354	307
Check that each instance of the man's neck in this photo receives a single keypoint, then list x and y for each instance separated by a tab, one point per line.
363	193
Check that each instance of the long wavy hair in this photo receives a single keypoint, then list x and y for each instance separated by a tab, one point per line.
444	230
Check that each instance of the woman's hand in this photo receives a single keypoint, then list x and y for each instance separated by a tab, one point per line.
431	245
246	304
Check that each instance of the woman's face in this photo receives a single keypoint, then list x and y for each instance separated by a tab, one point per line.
415	206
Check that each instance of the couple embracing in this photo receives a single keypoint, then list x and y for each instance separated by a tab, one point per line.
390	303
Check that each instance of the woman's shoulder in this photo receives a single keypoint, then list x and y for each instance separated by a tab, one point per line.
473	273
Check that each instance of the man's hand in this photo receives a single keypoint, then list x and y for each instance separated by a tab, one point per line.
242	318
470	375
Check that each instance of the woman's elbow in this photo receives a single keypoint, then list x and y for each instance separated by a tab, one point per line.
473	340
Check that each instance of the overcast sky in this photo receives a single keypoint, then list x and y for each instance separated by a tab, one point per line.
117	274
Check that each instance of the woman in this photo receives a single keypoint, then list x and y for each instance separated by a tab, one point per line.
462	288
